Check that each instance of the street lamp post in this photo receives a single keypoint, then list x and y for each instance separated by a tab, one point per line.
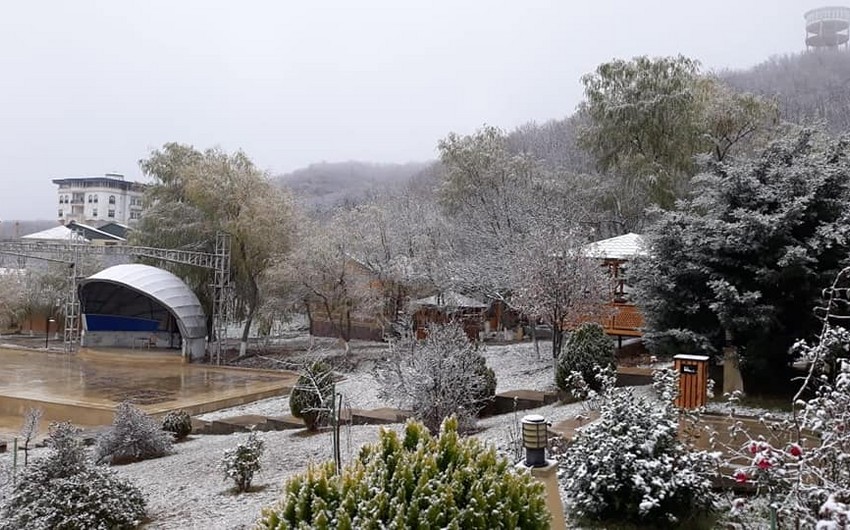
47	333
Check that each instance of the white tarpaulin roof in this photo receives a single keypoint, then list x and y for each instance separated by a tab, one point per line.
100	296
449	299
57	233
624	247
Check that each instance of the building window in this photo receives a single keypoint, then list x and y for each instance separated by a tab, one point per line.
94	213
60	213
90	198
112	199
111	213
95	199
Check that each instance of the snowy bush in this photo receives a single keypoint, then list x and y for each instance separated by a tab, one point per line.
178	423
630	466
66	490
587	348
133	436
312	398
413	481
443	375
240	463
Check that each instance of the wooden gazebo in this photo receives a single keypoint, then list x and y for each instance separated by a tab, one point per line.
625	320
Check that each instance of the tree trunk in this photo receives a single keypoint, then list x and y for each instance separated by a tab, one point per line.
534	339
243	344
557	341
309	317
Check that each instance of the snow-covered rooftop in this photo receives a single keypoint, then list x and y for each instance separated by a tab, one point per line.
449	299
57	233
623	247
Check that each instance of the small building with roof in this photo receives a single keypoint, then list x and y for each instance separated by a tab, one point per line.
139	306
77	233
615	253
448	306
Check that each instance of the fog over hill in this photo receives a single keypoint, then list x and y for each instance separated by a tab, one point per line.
328	184
810	86
10	228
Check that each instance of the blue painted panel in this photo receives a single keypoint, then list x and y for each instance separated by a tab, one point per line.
119	323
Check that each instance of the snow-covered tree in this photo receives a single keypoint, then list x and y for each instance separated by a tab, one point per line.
67	490
552	280
331	283
134	435
195	194
243	461
648	118
748	254
29	430
443	375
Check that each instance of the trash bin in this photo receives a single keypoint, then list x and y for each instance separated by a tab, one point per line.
693	380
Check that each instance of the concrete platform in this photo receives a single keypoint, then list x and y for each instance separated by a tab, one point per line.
84	388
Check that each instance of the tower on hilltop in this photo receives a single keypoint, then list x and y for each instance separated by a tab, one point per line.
828	28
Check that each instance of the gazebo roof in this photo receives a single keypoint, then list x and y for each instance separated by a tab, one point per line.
625	247
450	299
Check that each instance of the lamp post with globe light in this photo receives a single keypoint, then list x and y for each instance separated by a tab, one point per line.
47	332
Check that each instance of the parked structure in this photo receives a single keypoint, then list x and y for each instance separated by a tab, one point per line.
100	199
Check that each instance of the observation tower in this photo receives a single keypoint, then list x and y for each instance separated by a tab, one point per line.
828	28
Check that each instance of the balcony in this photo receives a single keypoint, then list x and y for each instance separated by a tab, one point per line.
623	320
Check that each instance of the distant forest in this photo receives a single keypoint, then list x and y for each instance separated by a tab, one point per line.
808	87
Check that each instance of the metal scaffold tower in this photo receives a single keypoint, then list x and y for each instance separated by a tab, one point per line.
72	303
221	294
69	253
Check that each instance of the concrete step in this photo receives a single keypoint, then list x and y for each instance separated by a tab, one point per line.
246	423
285	422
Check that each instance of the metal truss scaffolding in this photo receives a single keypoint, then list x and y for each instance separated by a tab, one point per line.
70	253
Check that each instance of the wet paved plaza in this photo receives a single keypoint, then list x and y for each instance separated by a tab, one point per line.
84	388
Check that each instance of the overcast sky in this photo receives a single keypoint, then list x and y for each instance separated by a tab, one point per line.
91	87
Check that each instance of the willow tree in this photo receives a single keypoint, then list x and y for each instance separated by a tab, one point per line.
198	193
649	119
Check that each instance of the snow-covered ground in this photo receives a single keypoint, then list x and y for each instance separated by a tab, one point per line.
185	490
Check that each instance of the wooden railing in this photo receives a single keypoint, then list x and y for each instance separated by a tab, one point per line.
623	320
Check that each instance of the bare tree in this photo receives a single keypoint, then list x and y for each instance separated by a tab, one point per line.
29	429
553	280
443	375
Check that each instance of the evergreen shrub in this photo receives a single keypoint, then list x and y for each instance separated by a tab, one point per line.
587	349
66	490
311	399
240	463
413	481
178	423
630	467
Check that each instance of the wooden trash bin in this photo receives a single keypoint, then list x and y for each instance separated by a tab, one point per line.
693	380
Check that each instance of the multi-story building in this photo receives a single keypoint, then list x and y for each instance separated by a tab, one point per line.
99	200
